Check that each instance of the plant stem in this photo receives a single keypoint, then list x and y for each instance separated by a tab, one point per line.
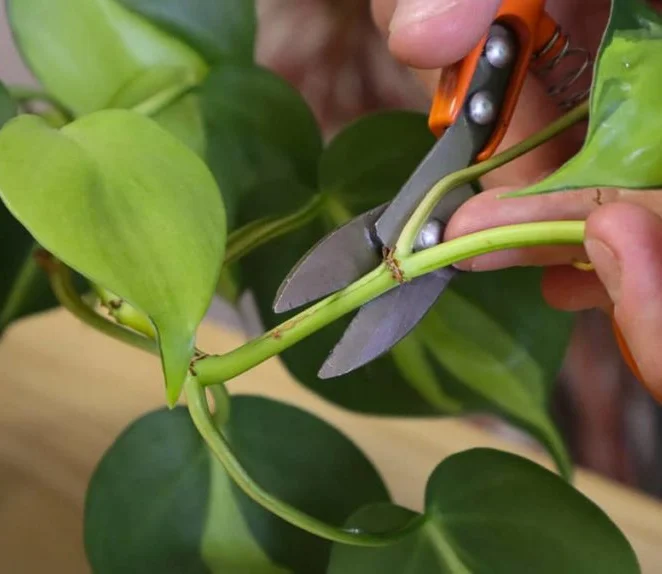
160	101
408	236
242	241
216	441
124	313
26	94
219	369
63	288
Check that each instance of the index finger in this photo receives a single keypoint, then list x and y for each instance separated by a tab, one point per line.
431	34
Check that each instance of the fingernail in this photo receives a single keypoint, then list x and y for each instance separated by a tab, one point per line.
410	12
606	266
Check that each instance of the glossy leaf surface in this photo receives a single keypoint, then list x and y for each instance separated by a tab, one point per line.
159	494
431	372
490	512
136	212
259	129
216	29
624	141
95	47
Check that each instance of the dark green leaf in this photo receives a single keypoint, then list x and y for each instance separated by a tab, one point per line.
624	142
146	504
259	129
160	496
84	51
218	29
490	512
128	206
366	163
305	462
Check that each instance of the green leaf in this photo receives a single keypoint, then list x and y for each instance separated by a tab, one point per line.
367	162
305	462
259	130
161	496
159	502
497	347
124	203
493	512
624	141
216	29
526	342
94	48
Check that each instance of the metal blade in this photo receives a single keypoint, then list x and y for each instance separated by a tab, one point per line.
454	151
383	322
337	260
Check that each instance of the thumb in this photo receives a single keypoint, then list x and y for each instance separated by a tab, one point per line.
624	243
430	34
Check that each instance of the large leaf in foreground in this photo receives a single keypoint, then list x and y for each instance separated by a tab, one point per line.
217	29
128	206
624	141
501	315
84	51
161	496
490	512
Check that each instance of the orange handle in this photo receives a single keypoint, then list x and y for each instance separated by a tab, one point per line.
536	31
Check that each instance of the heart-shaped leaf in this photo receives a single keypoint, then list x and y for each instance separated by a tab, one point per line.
259	129
624	141
431	372
94	48
124	203
216	29
493	512
161	496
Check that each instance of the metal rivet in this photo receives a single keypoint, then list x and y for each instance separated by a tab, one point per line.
499	50
482	109
430	235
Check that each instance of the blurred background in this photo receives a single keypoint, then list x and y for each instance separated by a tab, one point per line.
331	51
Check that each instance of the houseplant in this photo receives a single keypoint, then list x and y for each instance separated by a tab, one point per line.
168	166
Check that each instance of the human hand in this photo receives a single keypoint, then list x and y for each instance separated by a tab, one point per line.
623	227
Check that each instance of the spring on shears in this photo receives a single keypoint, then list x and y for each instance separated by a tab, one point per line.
554	53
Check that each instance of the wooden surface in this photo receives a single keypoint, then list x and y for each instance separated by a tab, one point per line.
68	391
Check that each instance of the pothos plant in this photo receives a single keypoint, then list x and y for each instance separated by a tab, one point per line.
164	167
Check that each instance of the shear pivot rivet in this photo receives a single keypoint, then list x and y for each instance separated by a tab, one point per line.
430	235
482	109
499	50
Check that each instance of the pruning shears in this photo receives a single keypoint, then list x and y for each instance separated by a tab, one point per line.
470	113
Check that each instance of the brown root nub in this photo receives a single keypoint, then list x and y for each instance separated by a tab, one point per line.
393	265
44	259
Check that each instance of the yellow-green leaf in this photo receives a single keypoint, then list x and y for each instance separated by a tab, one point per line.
84	51
123	202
